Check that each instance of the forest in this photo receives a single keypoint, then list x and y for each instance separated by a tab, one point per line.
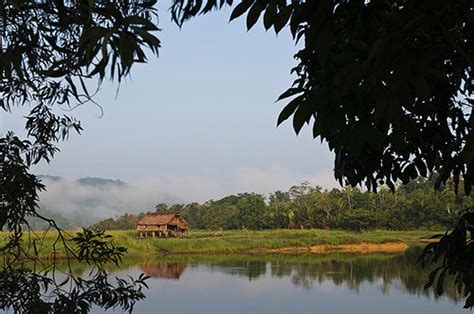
416	205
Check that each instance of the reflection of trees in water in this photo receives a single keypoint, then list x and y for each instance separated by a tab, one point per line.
307	271
251	269
399	272
385	272
163	270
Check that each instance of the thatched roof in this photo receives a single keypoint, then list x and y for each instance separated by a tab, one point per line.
160	218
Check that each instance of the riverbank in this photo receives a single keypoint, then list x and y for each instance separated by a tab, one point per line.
277	241
267	241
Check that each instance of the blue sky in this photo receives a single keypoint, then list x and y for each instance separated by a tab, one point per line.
199	121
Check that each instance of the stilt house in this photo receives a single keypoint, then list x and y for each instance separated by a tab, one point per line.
162	224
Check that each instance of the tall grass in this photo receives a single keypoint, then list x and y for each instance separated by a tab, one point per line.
237	241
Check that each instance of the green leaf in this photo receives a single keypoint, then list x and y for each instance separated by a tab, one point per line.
282	18
55	73
440	285
92	34
240	9
431	278
290	92
137	20
289	110
152	41
324	40
270	15
469	302
254	14
302	115
421	87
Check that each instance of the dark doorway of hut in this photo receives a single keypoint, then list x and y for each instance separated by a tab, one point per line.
162	224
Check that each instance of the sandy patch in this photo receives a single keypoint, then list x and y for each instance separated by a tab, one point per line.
392	247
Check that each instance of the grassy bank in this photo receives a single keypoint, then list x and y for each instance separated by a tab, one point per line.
243	241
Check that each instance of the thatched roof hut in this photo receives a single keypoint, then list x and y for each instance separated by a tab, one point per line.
162	224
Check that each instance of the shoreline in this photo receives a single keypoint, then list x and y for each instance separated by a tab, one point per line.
314	241
358	248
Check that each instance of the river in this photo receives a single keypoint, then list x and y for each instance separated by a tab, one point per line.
335	283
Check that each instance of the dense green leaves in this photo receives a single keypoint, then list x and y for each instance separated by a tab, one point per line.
33	287
240	9
413	206
51	53
124	222
453	253
391	79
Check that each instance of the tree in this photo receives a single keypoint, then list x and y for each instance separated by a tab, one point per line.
161	207
51	53
278	209
388	85
251	207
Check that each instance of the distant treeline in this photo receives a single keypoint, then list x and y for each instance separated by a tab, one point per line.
412	206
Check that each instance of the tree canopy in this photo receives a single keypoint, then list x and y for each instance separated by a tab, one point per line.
53	57
386	84
413	206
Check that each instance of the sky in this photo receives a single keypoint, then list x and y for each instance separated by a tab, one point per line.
199	120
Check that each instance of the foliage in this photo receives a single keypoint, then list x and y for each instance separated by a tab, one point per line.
124	222
413	206
350	208
387	84
454	253
161	207
26	286
37	224
371	75
51	52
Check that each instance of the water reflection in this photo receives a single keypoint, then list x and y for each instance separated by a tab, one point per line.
336	283
385	272
163	270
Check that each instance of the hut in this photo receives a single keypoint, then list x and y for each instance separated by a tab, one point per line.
162	224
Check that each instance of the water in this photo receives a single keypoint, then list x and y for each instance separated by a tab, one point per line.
290	284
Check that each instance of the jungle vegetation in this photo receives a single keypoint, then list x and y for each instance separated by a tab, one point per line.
416	205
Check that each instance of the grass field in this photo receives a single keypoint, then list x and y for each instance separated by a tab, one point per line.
240	241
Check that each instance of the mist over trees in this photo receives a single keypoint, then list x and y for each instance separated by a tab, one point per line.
415	205
83	201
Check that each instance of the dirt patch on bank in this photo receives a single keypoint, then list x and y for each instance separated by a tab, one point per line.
364	247
392	247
